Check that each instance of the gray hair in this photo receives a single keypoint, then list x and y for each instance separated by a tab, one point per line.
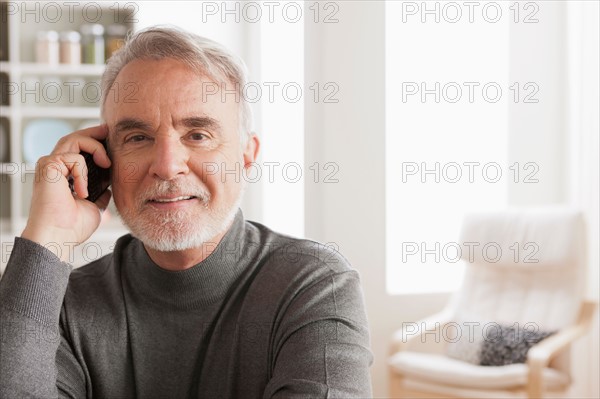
202	55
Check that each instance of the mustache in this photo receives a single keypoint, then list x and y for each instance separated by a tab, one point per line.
174	188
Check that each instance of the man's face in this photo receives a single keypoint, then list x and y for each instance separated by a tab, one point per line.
171	144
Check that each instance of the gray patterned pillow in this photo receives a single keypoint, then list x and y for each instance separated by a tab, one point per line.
504	345
493	344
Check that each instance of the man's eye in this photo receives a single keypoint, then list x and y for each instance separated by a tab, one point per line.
135	138
197	136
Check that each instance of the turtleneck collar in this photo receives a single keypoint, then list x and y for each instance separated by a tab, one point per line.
199	286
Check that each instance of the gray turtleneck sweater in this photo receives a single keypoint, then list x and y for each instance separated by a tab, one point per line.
265	315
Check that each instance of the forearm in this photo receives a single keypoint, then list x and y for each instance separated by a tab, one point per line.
31	295
326	359
323	343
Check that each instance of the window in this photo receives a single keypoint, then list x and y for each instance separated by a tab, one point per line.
448	89
477	104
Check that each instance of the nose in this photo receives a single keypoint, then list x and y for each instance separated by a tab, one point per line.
169	158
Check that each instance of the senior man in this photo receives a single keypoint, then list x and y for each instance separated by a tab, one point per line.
196	301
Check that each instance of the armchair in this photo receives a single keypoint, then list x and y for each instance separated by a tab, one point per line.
523	280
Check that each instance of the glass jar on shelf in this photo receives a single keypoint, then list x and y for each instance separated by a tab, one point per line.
70	47
47	47
115	38
92	42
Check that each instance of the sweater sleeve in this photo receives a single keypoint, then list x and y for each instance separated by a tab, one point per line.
322	348
31	295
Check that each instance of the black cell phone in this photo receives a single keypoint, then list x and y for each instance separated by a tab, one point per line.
98	178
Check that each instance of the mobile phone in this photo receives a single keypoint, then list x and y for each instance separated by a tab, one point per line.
98	178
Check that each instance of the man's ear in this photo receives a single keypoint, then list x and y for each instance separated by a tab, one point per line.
251	150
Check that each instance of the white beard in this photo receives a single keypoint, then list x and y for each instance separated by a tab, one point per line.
177	230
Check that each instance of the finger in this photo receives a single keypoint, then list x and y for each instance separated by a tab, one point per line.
75	143
99	132
50	169
100	155
77	169
65	165
55	169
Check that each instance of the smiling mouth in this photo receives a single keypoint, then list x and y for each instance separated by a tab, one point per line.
167	200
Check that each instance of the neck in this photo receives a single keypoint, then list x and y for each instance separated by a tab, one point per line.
182	260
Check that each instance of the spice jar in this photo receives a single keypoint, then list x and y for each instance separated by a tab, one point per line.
70	48
46	48
115	37
92	41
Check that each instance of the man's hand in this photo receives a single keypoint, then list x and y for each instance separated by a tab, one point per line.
56	216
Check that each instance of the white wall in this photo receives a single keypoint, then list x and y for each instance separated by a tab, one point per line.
195	17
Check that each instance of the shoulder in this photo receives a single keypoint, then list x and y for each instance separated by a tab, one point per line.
293	265
100	275
305	282
99	266
291	253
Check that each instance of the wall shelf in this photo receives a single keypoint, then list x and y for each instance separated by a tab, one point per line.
61	112
19	109
32	68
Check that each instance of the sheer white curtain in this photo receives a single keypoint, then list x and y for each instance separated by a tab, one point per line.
584	158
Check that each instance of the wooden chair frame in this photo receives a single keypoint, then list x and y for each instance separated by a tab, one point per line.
538	357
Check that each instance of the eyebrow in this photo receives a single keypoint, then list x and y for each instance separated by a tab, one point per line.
191	122
131	124
201	123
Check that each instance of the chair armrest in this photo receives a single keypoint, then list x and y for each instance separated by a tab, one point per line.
539	355
412	332
545	350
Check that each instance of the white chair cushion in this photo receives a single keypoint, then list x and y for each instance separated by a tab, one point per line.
539	281
549	300
444	370
546	238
